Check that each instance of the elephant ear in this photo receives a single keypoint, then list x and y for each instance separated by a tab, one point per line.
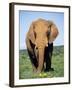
32	33
53	32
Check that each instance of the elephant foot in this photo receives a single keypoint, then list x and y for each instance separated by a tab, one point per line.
38	71
34	69
50	69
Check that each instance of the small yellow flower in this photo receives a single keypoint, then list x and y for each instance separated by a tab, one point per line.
42	75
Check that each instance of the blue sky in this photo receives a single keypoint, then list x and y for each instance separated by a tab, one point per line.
26	18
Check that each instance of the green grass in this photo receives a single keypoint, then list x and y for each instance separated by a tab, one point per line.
25	67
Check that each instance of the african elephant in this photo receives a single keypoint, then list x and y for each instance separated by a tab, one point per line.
39	41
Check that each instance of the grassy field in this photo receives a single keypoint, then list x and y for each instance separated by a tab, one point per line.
25	67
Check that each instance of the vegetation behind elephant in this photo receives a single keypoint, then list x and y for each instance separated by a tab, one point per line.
39	41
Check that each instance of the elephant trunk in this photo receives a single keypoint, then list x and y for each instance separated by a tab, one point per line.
40	60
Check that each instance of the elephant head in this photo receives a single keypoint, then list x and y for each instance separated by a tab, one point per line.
41	33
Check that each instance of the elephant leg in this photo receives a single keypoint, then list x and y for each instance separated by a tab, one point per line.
48	57
33	61
31	53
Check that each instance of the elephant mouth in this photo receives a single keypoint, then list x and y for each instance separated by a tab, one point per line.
36	50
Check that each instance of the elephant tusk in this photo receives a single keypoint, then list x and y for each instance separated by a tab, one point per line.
46	45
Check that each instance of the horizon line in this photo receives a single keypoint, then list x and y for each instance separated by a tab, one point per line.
53	46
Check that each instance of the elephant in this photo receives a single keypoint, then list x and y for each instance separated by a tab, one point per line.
39	42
